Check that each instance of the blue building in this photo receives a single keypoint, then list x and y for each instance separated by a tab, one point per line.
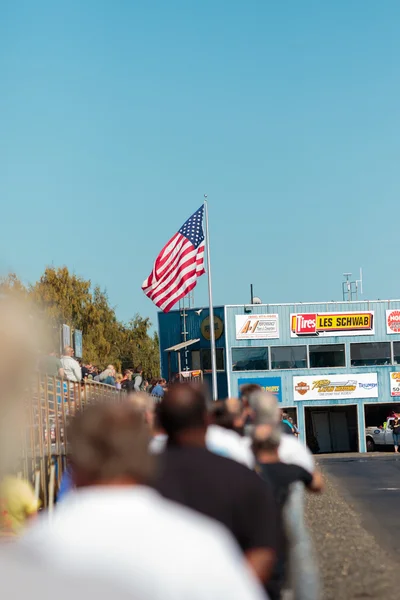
334	366
185	344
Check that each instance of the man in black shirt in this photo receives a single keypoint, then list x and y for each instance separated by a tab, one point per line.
214	485
266	440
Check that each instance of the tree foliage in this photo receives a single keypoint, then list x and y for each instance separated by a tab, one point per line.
61	297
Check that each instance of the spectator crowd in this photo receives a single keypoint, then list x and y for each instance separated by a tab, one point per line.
71	369
171	496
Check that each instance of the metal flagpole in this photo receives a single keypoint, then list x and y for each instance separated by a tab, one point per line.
212	330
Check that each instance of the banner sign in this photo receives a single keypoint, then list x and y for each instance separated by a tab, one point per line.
78	343
268	384
331	324
335	387
393	321
66	336
257	327
395	384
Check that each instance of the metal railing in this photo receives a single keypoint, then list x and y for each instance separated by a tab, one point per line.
49	403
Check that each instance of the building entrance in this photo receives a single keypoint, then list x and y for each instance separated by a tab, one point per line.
332	429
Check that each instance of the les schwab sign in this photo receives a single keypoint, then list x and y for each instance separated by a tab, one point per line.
331	324
364	385
257	327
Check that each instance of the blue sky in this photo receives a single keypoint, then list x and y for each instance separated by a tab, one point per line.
116	118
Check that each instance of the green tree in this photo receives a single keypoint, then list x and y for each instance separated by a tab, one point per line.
140	348
61	297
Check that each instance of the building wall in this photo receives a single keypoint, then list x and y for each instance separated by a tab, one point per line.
287	393
171	326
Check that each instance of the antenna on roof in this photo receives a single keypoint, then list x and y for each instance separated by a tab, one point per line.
350	288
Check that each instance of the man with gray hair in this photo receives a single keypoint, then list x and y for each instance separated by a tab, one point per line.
291	450
287	478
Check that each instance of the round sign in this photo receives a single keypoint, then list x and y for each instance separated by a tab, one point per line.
393	321
218	327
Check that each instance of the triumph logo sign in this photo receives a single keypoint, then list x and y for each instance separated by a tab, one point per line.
331	324
257	327
363	385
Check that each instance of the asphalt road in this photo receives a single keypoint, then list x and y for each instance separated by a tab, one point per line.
371	486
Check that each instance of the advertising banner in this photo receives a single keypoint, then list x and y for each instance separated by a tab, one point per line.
335	387
393	321
66	336
395	384
257	327
78	343
331	324
268	384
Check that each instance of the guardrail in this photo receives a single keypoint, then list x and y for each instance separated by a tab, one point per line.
49	403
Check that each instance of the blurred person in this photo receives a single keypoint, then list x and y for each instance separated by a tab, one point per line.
108	375
214	485
303	569
87	371
66	483
222	434
144	405
266	440
72	369
396	434
286	425
158	390
51	365
126	383
245	393
21	575
118	381
110	526
158	436
137	379
295	428
153	383
291	449
18	504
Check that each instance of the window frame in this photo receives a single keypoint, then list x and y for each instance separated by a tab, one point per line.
202	350
391	354
289	368
310	346
267	348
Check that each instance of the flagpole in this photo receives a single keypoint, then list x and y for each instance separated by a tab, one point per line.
210	300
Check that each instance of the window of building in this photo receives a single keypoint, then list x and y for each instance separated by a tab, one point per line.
396	353
205	357
370	354
288	357
327	355
249	359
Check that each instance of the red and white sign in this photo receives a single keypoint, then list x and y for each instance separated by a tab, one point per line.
306	324
395	384
393	321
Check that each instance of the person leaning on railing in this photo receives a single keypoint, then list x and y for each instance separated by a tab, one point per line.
72	369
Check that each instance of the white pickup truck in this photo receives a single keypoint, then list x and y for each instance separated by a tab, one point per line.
379	436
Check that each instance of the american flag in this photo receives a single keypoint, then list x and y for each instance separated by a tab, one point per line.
178	265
